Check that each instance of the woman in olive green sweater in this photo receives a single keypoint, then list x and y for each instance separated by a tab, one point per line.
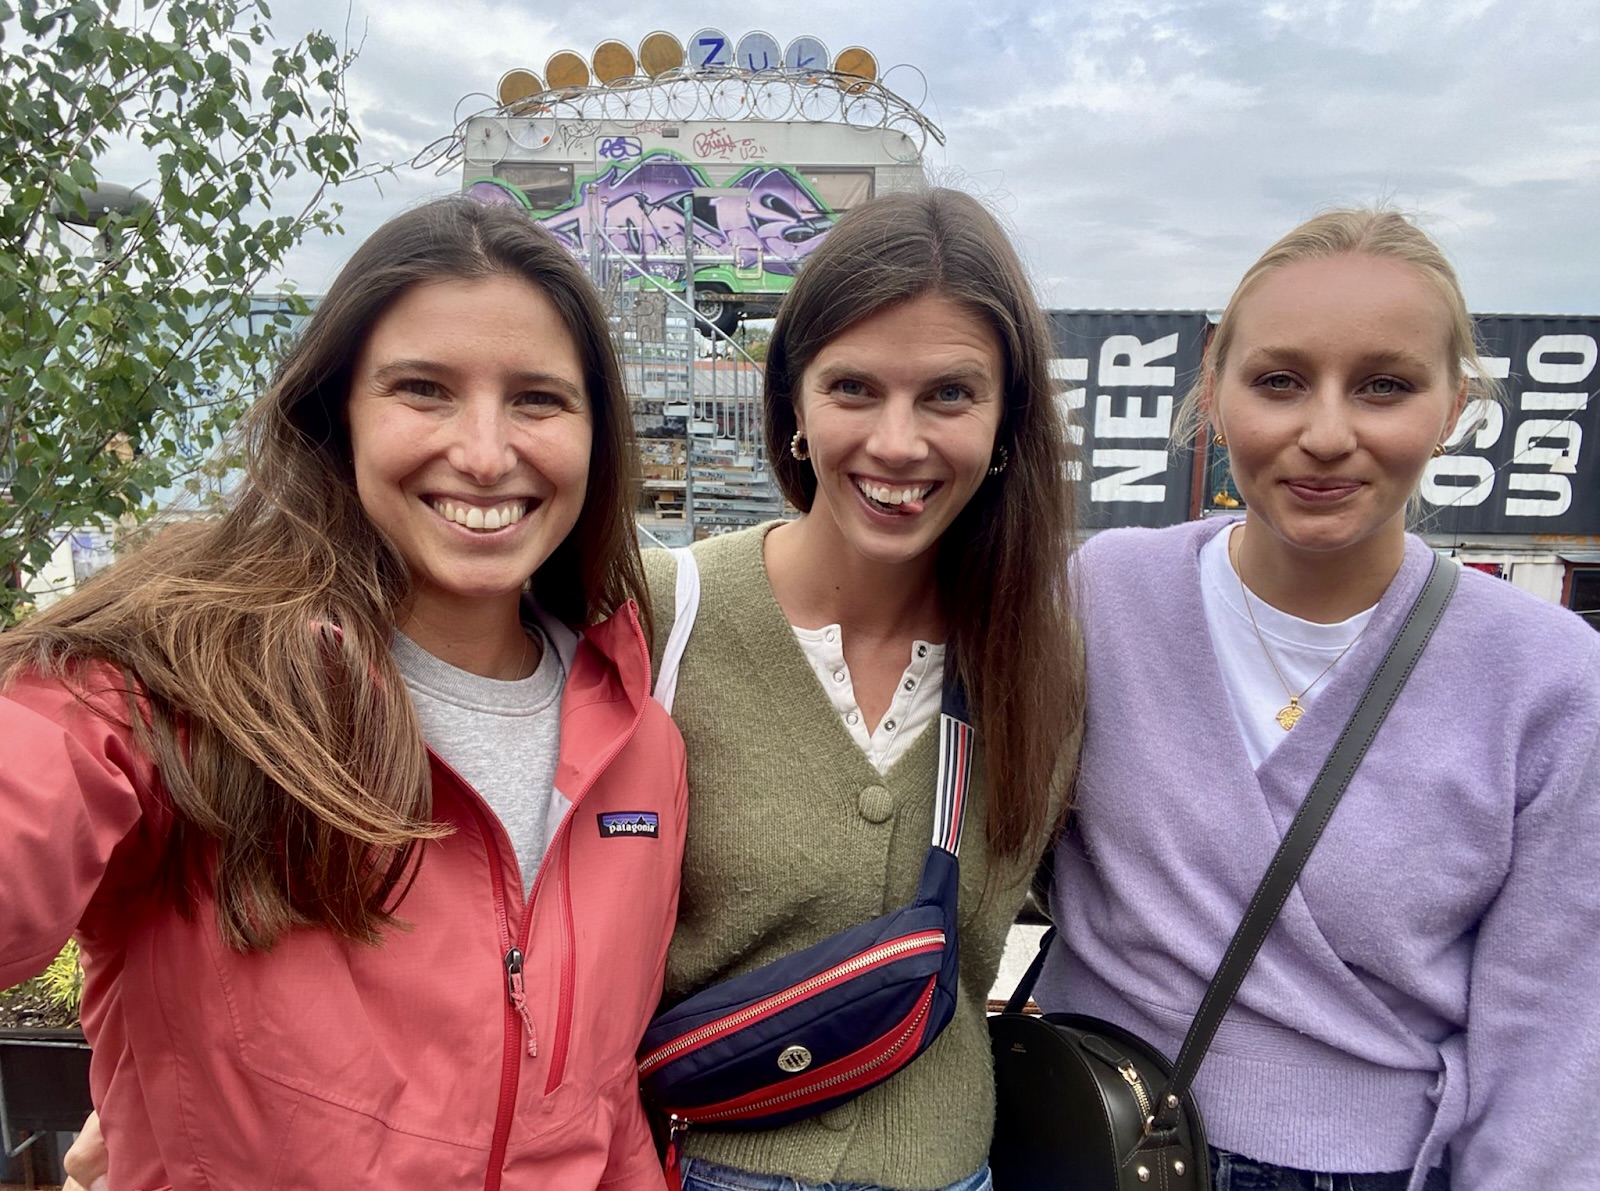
910	417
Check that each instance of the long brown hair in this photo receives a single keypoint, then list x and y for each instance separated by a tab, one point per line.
1002	566
254	648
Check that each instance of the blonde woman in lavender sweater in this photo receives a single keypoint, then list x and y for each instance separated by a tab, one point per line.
1425	1011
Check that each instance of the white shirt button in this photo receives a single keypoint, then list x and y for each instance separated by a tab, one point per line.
922	651
889	724
910	684
831	635
838	676
852	718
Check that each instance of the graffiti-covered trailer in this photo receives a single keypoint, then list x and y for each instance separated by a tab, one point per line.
737	205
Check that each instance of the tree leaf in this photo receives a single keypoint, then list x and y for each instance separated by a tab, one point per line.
128	347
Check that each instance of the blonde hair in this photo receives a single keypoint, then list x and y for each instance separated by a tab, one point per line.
1374	232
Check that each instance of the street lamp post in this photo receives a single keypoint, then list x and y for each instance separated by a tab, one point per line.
99	204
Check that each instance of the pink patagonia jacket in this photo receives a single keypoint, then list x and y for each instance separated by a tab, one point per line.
329	1064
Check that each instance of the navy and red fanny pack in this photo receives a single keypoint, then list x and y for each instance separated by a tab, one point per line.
814	1029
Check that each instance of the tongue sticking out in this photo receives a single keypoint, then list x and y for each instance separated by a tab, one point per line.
896	501
909	507
906	508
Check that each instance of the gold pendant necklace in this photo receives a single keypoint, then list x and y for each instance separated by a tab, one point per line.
1289	714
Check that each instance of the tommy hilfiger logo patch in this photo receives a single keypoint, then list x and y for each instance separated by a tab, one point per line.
619	823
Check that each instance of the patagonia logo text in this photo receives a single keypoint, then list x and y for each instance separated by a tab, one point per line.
619	823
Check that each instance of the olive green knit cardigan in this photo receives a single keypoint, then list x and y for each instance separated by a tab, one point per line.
793	835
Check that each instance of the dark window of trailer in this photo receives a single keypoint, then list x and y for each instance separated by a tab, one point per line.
1585	595
548	185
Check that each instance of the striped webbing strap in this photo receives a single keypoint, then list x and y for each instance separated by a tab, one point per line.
956	739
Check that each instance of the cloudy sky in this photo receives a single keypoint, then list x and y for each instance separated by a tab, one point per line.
1142	151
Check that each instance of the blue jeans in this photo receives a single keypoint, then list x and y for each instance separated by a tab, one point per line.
706	1176
1235	1172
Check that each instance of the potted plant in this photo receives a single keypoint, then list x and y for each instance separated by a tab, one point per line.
44	1067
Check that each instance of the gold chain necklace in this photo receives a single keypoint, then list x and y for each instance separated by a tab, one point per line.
1289	714
522	662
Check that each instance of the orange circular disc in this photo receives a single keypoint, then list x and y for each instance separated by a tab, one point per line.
613	61
517	85
856	61
660	52
566	69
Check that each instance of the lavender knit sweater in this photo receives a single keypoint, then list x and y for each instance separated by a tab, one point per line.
1434	982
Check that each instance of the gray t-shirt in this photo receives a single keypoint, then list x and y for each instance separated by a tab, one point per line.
503	737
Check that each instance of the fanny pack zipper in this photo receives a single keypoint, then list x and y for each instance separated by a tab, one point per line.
856	964
913	1027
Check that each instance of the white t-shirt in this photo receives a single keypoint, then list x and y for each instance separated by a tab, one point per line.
1303	649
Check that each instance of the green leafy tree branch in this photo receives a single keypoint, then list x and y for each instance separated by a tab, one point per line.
128	345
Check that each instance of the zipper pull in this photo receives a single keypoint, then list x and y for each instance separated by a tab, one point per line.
676	1127
1113	1058
519	1000
1131	1076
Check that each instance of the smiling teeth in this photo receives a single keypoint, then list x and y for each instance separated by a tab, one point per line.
474	517
885	495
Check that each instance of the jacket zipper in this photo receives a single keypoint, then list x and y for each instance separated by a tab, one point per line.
517	992
515	1009
518	1017
913	1028
863	961
558	1053
555	853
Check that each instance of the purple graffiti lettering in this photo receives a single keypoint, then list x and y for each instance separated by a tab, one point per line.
640	211
765	219
619	148
782	216
492	192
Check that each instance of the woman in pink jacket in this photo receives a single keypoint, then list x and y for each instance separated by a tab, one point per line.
371	840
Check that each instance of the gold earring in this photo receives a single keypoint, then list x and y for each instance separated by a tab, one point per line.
1219	439
799	447
1438	449
998	463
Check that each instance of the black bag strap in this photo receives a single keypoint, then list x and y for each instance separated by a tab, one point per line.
1019	999
1306	829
